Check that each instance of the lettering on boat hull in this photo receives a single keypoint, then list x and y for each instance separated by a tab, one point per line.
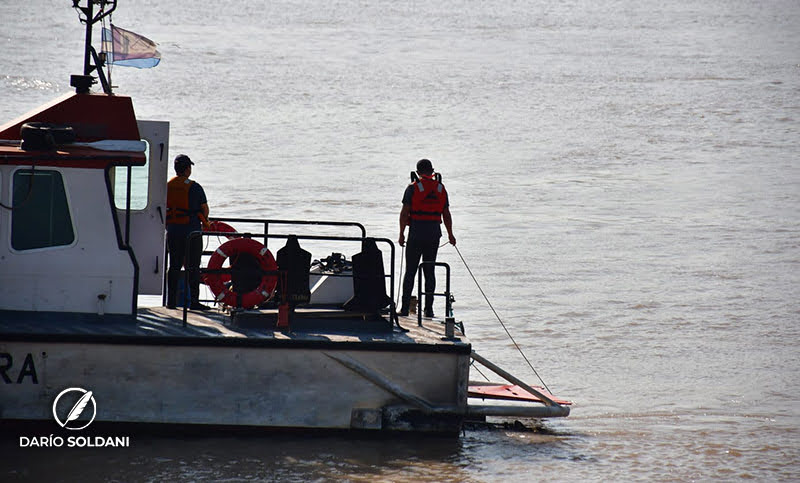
12	372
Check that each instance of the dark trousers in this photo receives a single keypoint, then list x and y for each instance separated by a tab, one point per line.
178	258
416	249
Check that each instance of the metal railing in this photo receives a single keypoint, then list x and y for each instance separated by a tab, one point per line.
267	236
448	308
267	222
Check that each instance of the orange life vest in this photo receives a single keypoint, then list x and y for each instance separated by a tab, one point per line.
428	200
178	212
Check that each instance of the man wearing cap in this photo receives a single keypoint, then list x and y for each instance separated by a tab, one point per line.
425	206
187	210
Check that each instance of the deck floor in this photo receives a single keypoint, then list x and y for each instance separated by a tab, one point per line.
163	322
431	332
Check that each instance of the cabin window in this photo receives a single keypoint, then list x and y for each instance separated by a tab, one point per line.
41	216
140	184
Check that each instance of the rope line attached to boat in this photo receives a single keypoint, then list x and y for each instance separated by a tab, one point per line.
500	320
400	278
472	365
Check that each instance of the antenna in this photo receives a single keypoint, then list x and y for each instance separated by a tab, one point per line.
90	54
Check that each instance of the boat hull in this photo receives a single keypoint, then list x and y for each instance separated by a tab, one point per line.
312	386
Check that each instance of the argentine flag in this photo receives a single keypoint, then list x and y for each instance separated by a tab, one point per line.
128	49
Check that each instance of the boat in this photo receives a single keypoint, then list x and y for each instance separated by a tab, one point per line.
288	344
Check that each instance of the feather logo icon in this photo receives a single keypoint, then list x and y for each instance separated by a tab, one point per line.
76	409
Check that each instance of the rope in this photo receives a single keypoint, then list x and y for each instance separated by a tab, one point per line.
472	365
12	207
400	279
500	320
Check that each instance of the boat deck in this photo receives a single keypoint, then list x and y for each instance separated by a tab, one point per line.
160	325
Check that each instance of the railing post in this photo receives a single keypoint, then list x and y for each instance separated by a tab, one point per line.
448	308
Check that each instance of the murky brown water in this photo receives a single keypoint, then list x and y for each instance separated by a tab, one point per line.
625	185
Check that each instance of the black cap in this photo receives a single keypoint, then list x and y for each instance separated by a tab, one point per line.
424	166
182	162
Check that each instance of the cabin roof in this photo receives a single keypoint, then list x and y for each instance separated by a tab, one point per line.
92	117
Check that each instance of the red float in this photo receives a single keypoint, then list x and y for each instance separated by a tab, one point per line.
223	227
219	283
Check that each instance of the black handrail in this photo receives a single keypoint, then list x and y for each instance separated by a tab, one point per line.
446	294
267	222
197	234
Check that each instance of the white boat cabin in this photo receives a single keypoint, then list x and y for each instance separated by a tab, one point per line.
82	218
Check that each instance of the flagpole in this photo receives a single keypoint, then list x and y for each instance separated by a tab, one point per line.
89	52
88	10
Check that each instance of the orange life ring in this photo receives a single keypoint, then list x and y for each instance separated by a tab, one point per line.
219	283
223	227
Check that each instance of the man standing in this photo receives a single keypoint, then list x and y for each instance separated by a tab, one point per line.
425	206
187	210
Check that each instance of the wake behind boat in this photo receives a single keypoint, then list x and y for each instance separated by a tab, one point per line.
290	344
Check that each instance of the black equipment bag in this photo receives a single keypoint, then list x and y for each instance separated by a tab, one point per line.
296	262
369	280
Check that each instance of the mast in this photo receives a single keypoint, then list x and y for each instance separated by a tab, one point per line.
91	61
87	55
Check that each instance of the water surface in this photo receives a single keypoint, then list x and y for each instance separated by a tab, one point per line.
625	186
